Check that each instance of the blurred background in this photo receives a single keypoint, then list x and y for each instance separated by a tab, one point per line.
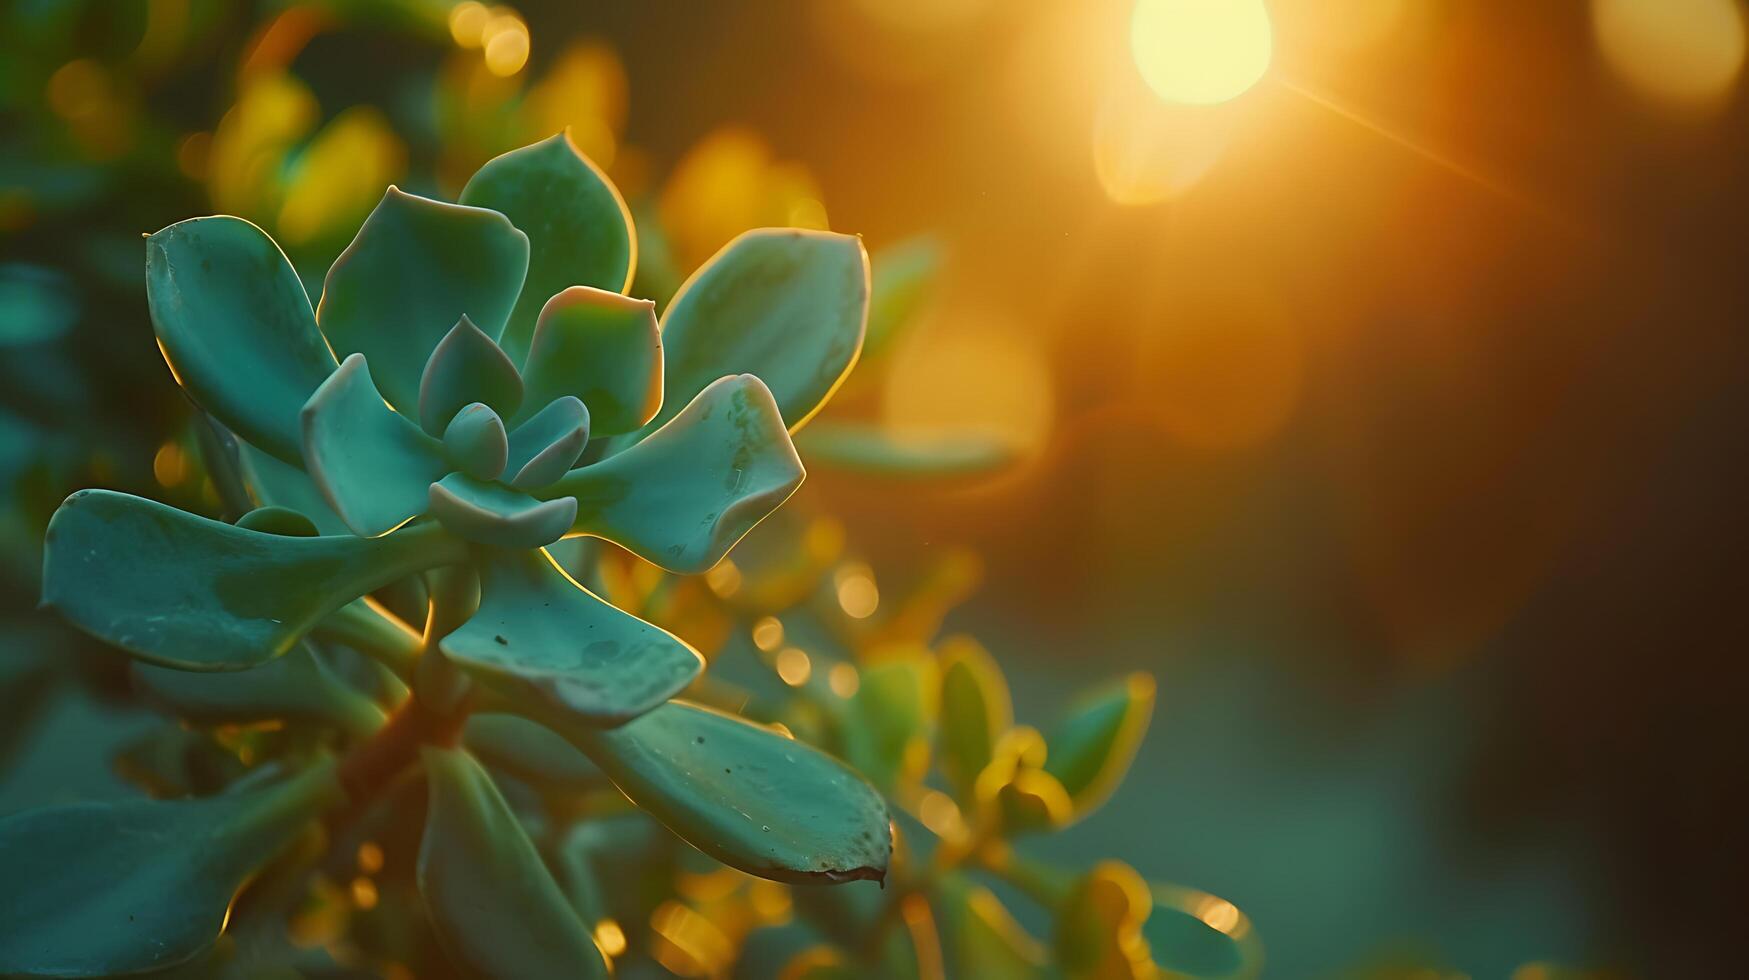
1373	372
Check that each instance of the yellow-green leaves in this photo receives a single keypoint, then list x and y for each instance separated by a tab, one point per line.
372	465
975	711
549	643
101	889
1114	926
746	795
786	305
579	231
1094	744
182	591
494	904
236	327
603	348
415	268
894	712
685	495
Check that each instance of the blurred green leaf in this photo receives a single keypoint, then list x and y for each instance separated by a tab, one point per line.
903	280
495	906
295	687
894	710
100	889
182	591
1092	747
983	937
1198	935
975	711
871	450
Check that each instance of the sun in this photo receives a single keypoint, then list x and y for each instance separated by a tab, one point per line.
1201	51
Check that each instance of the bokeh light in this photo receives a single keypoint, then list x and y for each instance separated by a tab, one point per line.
1685	52
1146	152
1201	51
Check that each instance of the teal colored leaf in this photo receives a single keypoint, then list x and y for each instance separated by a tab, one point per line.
903	278
494	514
975	710
786	305
1092	747
605	349
493	903
296	687
273	483
579	230
531	752
544	448
545	640
236	328
873	451
101	889
415	268
374	467
465	367
895	710
1183	937
182	591
685	495
746	795
476	442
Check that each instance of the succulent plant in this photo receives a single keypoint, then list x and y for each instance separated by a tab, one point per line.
483	344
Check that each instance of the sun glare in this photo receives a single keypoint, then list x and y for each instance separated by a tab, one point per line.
1201	51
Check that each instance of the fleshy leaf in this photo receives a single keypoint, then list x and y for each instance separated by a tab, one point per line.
544	448
786	305
605	349
545	640
296	687
685	495
101	889
975	710
182	591
236	328
1091	749
282	521
476	442
1195	934
871	450
371	464
579	230
415	268
491	513
495	906
530	751
466	366
746	795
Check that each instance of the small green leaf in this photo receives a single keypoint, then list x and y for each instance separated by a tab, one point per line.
543	639
531	752
235	325
101	889
895	709
685	495
975	711
282	521
414	269
579	230
477	443
295	687
1195	934
984	938
873	451
1093	746
746	795
466	367
373	466
903	277
494	514
544	448
495	906
786	305
182	591
605	349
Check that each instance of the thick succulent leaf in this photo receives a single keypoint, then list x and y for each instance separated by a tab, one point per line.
466	367
579	230
786	305
531	752
685	495
1195	934
1093	746
605	349
746	795
874	451
544	639
544	448
101	889
903	281
182	591
416	267
493	903
975	710
296	687
494	514
273	483
477	443
373	467
236	328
